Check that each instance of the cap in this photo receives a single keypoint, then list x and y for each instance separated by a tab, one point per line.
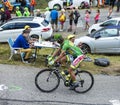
70	36
2	9
26	27
57	36
17	7
26	8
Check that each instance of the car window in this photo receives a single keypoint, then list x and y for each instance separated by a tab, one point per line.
119	23
9	26
107	33
111	22
33	25
20	25
45	23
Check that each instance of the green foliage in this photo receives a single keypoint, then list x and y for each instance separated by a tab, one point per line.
41	4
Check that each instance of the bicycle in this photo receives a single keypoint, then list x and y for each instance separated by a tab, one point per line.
48	80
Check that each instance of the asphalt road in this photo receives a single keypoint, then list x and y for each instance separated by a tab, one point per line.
17	88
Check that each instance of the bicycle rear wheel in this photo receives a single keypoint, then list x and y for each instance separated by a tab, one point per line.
85	80
47	80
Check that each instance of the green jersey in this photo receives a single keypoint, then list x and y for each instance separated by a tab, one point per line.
71	48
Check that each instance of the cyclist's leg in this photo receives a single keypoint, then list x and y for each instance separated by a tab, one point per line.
74	65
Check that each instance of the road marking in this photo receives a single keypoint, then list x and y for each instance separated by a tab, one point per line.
3	87
115	102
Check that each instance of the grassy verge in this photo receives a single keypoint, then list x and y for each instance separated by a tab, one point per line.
113	69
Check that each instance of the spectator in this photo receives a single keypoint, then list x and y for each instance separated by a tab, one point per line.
87	19
71	18
26	12
22	42
54	19
8	14
3	16
112	3
76	17
38	14
97	17
62	19
101	3
32	7
23	5
18	12
118	5
110	12
47	15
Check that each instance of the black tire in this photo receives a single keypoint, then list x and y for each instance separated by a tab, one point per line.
85	48
58	6
86	81
47	80
93	30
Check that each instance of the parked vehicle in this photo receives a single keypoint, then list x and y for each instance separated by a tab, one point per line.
14	3
105	40
62	4
110	22
15	26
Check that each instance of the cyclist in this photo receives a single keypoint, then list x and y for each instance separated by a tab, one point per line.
71	48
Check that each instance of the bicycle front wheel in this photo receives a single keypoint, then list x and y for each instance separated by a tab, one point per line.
47	80
85	80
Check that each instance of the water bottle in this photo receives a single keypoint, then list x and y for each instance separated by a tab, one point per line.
66	74
40	39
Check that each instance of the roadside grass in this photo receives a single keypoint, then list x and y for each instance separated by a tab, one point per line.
113	69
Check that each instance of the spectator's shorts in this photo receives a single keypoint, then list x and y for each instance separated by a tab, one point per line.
77	61
31	8
76	21
62	22
71	22
54	21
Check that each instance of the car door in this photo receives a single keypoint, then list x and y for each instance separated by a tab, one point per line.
19	27
7	31
108	42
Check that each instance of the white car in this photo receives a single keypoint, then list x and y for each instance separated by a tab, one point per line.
95	27
60	3
14	27
105	40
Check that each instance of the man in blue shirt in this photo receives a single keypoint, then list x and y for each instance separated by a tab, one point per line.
22	42
54	18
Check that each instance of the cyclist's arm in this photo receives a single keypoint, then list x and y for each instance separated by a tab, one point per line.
56	52
60	56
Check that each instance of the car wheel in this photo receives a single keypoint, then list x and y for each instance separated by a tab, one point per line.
85	48
58	6
93	30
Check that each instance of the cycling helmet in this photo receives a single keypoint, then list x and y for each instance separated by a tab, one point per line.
58	38
70	36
